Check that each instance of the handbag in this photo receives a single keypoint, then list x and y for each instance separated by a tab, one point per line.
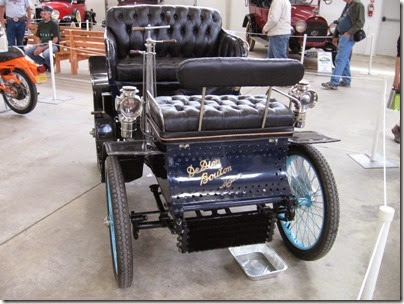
394	100
359	35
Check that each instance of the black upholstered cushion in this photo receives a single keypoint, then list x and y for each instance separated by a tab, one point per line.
226	112
222	71
196	29
131	68
198	33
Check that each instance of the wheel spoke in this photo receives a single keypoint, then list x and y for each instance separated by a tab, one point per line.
305	230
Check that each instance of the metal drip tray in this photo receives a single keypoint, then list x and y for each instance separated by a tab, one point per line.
258	261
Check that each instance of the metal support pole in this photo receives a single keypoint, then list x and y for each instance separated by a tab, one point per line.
87	25
374	160
378	124
54	99
264	119
386	215
372	47
52	69
202	109
303	48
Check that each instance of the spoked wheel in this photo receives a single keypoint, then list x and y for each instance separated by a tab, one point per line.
119	223
248	37
23	96
313	231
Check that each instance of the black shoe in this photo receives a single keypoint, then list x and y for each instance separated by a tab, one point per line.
330	86
397	133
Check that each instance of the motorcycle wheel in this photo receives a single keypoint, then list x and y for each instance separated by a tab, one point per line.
313	231
25	95
119	223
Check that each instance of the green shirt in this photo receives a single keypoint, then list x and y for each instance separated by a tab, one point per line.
47	31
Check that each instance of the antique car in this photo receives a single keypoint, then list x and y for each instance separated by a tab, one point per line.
305	20
228	168
68	11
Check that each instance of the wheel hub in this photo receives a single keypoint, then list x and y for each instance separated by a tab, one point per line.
305	201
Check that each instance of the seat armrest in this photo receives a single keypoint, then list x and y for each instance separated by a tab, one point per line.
111	53
230	45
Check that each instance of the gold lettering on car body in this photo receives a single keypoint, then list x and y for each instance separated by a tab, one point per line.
206	178
228	182
203	166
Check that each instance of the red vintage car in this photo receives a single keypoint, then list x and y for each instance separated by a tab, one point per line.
68	11
305	20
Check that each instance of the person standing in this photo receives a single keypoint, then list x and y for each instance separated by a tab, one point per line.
18	18
352	20
48	29
278	28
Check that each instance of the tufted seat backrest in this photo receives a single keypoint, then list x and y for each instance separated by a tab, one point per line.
196	29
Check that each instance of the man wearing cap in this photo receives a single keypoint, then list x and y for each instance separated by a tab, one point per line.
18	18
48	30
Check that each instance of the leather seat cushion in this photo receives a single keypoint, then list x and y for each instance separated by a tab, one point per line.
226	112
131	68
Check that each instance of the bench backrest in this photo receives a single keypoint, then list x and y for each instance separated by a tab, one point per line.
87	42
195	29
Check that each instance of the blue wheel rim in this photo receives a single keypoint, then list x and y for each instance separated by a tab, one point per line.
111	227
305	230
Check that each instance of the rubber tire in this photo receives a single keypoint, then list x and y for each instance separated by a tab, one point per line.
33	91
331	205
248	38
122	223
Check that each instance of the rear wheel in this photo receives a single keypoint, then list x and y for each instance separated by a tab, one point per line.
118	221
248	36
313	231
23	96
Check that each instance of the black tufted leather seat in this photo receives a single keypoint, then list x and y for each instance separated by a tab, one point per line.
178	116
198	32
226	112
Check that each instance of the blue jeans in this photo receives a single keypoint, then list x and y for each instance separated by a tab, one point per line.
15	32
278	46
45	58
342	64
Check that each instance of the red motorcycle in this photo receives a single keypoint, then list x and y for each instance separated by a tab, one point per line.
18	78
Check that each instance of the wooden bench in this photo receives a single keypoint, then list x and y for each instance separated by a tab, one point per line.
83	45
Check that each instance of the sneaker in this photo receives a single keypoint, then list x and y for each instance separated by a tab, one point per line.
344	84
329	85
397	133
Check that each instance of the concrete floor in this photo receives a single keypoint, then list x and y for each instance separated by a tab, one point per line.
54	246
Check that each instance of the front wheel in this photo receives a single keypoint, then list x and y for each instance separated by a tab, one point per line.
22	97
118	221
313	231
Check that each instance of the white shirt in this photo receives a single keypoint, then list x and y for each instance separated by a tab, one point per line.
279	18
15	8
